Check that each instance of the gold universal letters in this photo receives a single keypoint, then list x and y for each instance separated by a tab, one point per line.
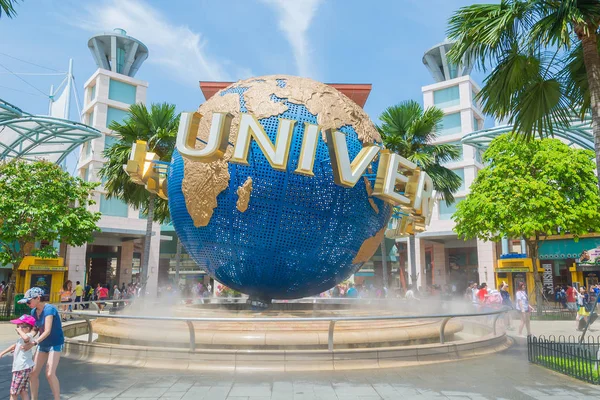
399	181
277	155
217	141
346	174
140	167
389	178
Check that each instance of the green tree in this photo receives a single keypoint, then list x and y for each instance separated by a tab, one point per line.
545	59
531	190
41	202
158	127
8	8
409	131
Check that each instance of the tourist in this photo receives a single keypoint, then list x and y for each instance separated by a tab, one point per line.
524	309
507	304
22	359
410	294
50	343
352	292
78	294
116	296
65	298
582	298
571	298
102	295
482	293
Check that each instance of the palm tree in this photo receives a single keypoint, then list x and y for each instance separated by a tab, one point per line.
544	58
409	131
8	8
158	127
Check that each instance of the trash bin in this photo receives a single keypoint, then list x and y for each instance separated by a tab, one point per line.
20	309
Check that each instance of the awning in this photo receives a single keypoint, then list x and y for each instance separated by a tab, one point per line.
566	248
578	133
32	137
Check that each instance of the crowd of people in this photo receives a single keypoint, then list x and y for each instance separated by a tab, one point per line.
70	296
580	301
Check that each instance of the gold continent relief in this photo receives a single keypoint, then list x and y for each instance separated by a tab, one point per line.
203	182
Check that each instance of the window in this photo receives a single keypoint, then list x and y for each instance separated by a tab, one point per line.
87	149
92	93
450	124
474	99
84	174
446	212
141	215
121	91
113	207
90	118
446	97
475	124
114	114
109	141
461	174
453	69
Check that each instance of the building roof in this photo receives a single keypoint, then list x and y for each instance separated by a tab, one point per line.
578	134
357	92
31	137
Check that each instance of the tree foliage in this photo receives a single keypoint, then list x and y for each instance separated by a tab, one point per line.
8	8
158	127
409	131
533	189
41	202
544	58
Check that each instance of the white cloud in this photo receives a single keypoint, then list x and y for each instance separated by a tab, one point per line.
295	17
176	47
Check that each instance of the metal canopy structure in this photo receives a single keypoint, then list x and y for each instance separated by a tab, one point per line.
32	137
579	134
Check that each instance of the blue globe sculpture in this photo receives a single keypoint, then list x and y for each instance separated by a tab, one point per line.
299	235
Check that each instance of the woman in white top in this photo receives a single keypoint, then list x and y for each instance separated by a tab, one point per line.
524	309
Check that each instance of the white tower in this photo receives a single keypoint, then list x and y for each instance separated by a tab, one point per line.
440	256
109	93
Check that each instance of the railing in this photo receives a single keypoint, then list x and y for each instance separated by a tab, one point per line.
496	314
567	355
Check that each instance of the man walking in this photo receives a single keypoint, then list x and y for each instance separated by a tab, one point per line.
78	294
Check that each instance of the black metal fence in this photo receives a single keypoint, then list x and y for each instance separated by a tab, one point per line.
567	355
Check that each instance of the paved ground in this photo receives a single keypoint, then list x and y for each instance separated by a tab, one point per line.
502	376
507	375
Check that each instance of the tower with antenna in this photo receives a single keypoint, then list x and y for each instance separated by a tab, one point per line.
112	257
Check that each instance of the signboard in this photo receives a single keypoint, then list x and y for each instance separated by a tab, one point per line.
590	256
46	268
588	268
512	269
43	281
548	278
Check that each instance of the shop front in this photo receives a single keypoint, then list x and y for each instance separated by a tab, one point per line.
46	273
567	262
514	270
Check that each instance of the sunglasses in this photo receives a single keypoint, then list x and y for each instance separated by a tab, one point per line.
30	300
24	326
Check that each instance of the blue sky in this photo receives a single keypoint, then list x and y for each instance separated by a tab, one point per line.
333	41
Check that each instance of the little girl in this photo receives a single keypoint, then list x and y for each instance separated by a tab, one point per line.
23	360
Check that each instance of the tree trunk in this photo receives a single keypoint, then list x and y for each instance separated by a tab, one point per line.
533	246
10	291
591	60
412	260
177	261
384	264
147	240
